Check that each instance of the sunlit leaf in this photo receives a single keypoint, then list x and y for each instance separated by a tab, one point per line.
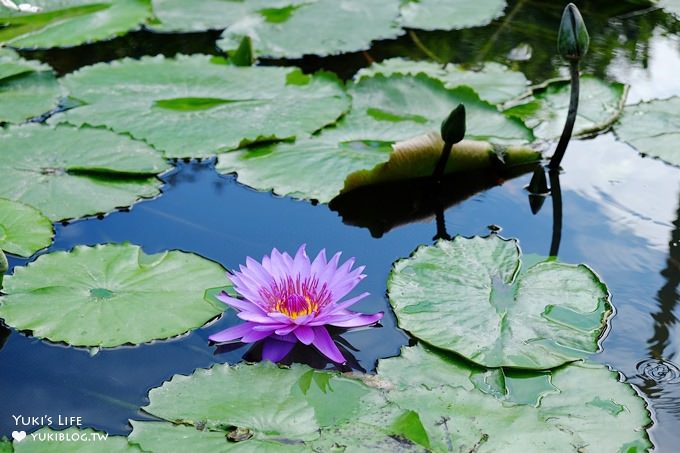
652	128
109	295
600	104
68	173
450	14
192	107
384	110
319	27
72	22
27	88
469	296
493	82
23	229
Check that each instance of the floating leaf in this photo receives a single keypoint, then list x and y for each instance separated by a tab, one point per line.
652	128
68	173
173	15
109	295
568	413
23	229
72	22
27	88
192	107
384	110
494	82
467	296
319	27
600	104
450	14
86	440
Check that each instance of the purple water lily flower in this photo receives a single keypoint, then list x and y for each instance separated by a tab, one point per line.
286	300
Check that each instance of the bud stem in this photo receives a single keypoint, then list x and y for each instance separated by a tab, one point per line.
441	163
571	118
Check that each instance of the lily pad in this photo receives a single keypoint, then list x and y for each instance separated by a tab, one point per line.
318	27
652	128
450	14
72	22
468	296
600	104
493	82
581	406
67	173
27	88
23	229
672	6
109	295
192	107
384	110
86	440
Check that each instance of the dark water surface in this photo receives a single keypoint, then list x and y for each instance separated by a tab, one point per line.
621	216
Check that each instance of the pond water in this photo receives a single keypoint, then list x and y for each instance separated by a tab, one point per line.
620	216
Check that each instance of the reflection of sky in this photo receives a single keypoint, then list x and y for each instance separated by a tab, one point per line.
659	80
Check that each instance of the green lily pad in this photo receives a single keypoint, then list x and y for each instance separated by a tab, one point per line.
72	22
493	82
27	88
600	104
651	127
85	440
271	403
468	296
450	14
174	16
23	229
384	110
319	27
192	107
68	173
581	406
109	295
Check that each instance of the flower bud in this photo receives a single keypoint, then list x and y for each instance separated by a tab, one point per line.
453	127
572	39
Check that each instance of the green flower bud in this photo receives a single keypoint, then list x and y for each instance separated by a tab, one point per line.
572	39
453	127
243	56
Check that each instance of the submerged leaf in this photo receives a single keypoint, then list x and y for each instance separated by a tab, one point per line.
109	295
68	173
23	229
192	107
468	296
652	128
72	22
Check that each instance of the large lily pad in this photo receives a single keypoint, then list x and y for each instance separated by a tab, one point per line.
450	14
384	110
493	82
109	295
23	229
580	407
652	128
86	440
68	23
192	107
27	88
468	296
319	27
67	173
600	104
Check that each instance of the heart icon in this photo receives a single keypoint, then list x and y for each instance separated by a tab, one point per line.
18	435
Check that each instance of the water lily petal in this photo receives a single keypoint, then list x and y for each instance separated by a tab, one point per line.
301	264
319	263
232	333
255	335
275	350
326	346
304	334
239	304
259	318
286	330
359	320
337	308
